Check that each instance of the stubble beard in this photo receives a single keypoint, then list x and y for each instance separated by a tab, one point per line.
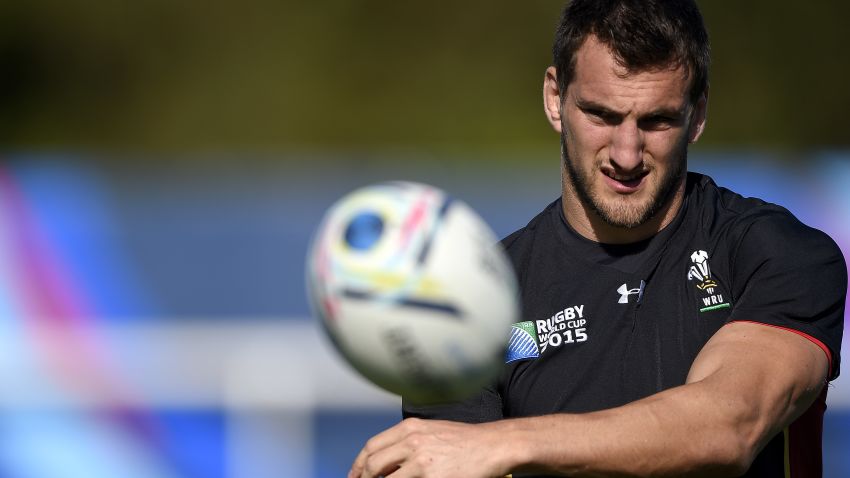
621	213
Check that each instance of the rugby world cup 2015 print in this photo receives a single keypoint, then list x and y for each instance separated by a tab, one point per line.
413	290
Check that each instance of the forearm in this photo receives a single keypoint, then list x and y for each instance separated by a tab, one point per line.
680	432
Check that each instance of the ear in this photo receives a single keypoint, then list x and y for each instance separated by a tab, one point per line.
552	98
699	118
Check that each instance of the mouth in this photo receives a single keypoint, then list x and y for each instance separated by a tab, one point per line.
624	183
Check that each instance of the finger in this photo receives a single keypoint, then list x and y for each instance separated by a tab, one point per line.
376	444
357	467
386	461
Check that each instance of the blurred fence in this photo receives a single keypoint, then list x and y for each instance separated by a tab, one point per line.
153	320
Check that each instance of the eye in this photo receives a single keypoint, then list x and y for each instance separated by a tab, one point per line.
658	122
601	116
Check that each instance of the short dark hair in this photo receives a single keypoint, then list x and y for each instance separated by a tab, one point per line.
642	34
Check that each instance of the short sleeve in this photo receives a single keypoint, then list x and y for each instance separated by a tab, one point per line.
788	275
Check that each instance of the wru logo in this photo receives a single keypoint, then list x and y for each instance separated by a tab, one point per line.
701	272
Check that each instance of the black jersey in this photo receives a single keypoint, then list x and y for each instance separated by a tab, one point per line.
606	325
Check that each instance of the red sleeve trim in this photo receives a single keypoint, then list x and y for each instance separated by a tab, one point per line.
801	334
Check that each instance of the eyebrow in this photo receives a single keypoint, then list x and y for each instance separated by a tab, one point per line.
584	105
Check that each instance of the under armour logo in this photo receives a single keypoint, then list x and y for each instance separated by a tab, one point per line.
625	292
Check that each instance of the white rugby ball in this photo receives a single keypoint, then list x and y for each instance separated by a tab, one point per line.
414	290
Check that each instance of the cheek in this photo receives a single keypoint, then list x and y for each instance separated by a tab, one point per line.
585	138
665	147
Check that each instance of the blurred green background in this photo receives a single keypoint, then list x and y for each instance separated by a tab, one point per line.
376	75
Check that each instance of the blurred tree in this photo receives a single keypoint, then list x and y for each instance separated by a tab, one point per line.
374	75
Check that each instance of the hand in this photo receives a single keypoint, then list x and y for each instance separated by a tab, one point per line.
432	448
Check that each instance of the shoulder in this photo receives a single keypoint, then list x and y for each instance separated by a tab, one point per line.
742	221
522	243
521	240
773	244
718	208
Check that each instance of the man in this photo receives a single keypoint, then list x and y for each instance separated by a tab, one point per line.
682	329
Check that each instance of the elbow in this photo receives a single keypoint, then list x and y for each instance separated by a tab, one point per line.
733	463
731	454
731	441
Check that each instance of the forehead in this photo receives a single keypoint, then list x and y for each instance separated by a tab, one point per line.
598	77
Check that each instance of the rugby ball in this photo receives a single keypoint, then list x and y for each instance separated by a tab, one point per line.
414	290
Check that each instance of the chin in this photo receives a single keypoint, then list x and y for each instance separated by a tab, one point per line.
626	212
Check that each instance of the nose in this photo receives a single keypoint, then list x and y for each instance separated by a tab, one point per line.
627	143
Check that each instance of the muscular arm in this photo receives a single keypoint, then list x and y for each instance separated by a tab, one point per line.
746	385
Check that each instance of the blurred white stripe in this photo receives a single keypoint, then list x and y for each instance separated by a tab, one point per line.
262	363
247	365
